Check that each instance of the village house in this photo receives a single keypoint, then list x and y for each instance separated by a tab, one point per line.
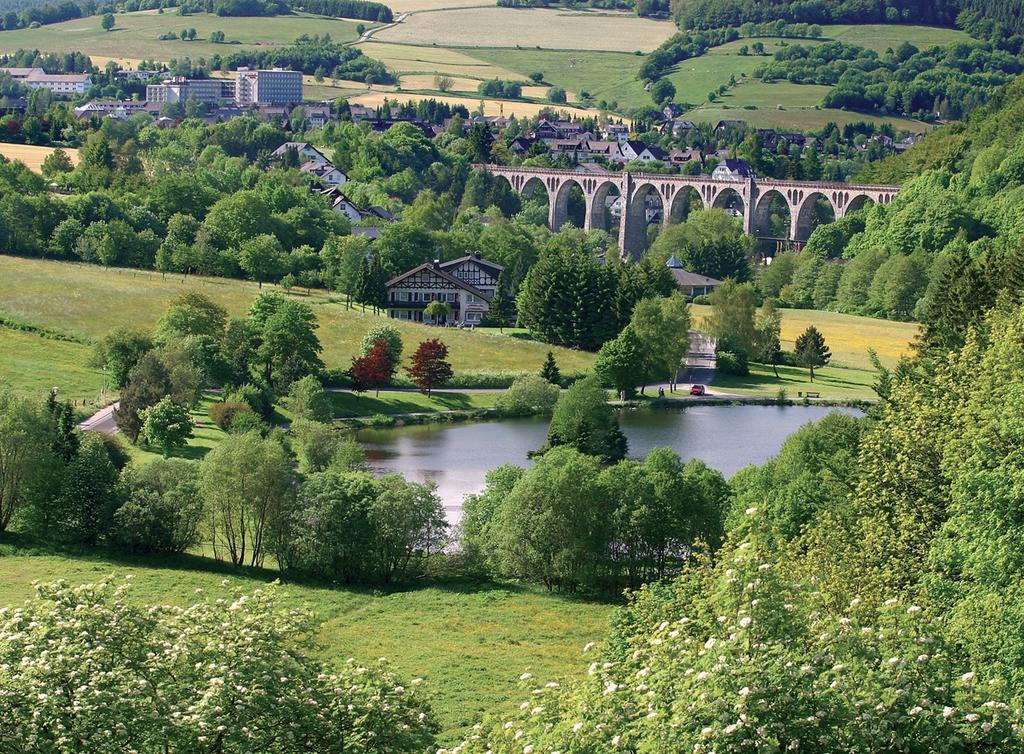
690	283
724	126
683	156
616	132
521	145
326	174
454	283
306	151
606	150
637	151
733	170
678	128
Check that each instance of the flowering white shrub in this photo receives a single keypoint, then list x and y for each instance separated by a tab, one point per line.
755	663
82	670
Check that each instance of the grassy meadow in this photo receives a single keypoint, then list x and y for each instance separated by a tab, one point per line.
469	641
87	302
881	37
849	375
135	36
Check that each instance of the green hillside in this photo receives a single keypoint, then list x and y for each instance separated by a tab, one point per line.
136	35
468	641
86	302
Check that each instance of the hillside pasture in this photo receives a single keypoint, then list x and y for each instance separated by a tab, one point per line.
135	35
610	76
548	29
848	336
88	302
33	156
881	37
403	59
468	641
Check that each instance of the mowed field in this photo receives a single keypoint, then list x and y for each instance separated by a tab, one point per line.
468	641
548	29
608	71
33	156
135	35
849	375
88	301
782	104
881	37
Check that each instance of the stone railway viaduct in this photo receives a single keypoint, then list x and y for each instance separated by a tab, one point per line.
676	192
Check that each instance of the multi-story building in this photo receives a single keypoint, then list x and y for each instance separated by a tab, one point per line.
410	293
179	89
275	86
58	83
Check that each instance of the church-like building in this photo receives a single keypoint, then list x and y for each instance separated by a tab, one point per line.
467	284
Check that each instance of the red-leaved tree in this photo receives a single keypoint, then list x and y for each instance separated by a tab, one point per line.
374	369
430	366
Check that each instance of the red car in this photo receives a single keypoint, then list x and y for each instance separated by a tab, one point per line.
697	390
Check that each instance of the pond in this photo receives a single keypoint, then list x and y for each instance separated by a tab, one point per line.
456	457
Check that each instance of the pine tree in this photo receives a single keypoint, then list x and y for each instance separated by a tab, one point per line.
550	371
378	286
811	350
361	292
501	309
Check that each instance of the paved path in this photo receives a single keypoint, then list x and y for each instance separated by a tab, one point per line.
699	364
366	35
101	421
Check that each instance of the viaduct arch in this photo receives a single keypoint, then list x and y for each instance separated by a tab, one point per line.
750	198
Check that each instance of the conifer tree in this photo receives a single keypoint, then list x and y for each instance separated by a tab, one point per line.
811	350
550	371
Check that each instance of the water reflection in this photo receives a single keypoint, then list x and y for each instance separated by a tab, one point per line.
457	457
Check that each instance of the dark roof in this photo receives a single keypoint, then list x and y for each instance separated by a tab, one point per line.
436	269
692	279
739	166
472	258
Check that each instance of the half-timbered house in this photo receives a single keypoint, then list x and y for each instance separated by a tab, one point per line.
475	270
409	294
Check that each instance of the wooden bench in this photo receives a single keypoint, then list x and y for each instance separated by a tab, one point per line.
808	395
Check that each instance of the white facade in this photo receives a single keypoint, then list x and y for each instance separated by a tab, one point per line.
58	83
411	293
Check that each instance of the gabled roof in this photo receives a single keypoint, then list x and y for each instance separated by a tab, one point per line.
472	258
436	270
674	263
297	146
739	166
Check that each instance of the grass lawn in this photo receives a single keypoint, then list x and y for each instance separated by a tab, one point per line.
835	383
33	156
32	365
468	641
786	105
490	26
90	301
849	337
136	34
880	37
402	58
610	76
407	402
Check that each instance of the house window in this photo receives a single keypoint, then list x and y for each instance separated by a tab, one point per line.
472	316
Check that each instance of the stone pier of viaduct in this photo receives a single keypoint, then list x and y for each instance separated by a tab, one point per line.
677	192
